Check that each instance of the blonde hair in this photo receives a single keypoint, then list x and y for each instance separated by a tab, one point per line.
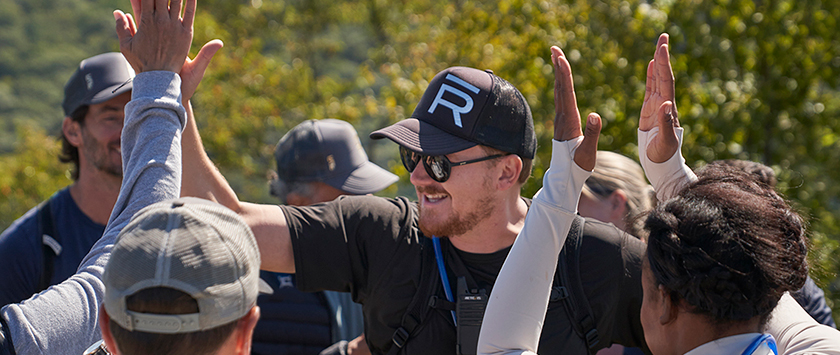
614	171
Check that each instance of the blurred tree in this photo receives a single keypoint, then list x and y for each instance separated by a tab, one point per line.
31	174
41	42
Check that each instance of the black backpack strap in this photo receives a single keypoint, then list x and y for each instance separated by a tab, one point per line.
569	288
50	243
423	301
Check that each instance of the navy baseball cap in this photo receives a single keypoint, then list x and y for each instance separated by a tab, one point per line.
96	80
464	107
329	151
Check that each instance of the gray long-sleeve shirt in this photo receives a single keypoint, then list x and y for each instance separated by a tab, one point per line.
64	319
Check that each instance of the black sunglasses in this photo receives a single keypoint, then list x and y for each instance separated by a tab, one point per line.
439	167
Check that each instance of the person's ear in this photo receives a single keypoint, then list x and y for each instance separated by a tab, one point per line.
72	131
668	310
105	327
618	204
511	166
245	331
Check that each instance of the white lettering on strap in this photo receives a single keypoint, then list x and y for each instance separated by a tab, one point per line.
456	110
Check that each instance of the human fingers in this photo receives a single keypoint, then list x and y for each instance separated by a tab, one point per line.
136	9
124	33
131	24
193	70
649	80
566	114
666	143
122	27
665	74
189	14
126	37
175	9
663	39
649	105
161	7
586	153
205	54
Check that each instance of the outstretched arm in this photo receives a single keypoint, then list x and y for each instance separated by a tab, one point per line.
200	176
202	179
517	306
63	319
660	134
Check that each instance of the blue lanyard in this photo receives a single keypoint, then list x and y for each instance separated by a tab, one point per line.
443	278
766	338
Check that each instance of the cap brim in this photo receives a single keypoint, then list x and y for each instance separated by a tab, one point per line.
368	178
422	137
265	288
110	93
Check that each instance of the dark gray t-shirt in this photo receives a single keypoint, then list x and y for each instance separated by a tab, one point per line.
372	247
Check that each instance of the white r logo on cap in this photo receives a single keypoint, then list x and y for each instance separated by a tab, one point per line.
456	110
88	81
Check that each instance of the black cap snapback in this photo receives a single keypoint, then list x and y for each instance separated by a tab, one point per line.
96	80
464	107
329	151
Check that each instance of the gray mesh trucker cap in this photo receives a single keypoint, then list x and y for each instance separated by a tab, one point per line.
463	107
329	151
96	80
194	246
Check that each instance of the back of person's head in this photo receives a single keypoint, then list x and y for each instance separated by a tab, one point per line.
760	172
614	172
183	277
727	246
164	300
325	151
96	80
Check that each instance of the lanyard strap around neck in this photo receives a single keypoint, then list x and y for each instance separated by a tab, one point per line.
443	278
765	338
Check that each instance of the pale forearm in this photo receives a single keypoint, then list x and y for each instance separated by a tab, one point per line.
515	312
201	178
273	238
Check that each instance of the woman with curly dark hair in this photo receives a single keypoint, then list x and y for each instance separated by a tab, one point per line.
720	256
723	249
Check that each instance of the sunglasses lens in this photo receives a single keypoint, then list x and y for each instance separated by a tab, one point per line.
438	167
409	159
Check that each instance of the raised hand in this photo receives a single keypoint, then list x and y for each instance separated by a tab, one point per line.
192	70
659	109
161	40
567	115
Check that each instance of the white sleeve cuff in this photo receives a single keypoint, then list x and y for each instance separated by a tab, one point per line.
669	177
564	180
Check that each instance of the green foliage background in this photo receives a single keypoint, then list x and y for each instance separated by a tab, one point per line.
756	80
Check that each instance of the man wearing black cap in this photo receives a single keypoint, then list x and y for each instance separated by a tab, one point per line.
45	246
317	161
473	134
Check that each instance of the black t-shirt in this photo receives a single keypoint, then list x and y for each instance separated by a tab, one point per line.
372	247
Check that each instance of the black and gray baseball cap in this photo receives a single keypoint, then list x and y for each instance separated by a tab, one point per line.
464	107
191	245
96	80
329	151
